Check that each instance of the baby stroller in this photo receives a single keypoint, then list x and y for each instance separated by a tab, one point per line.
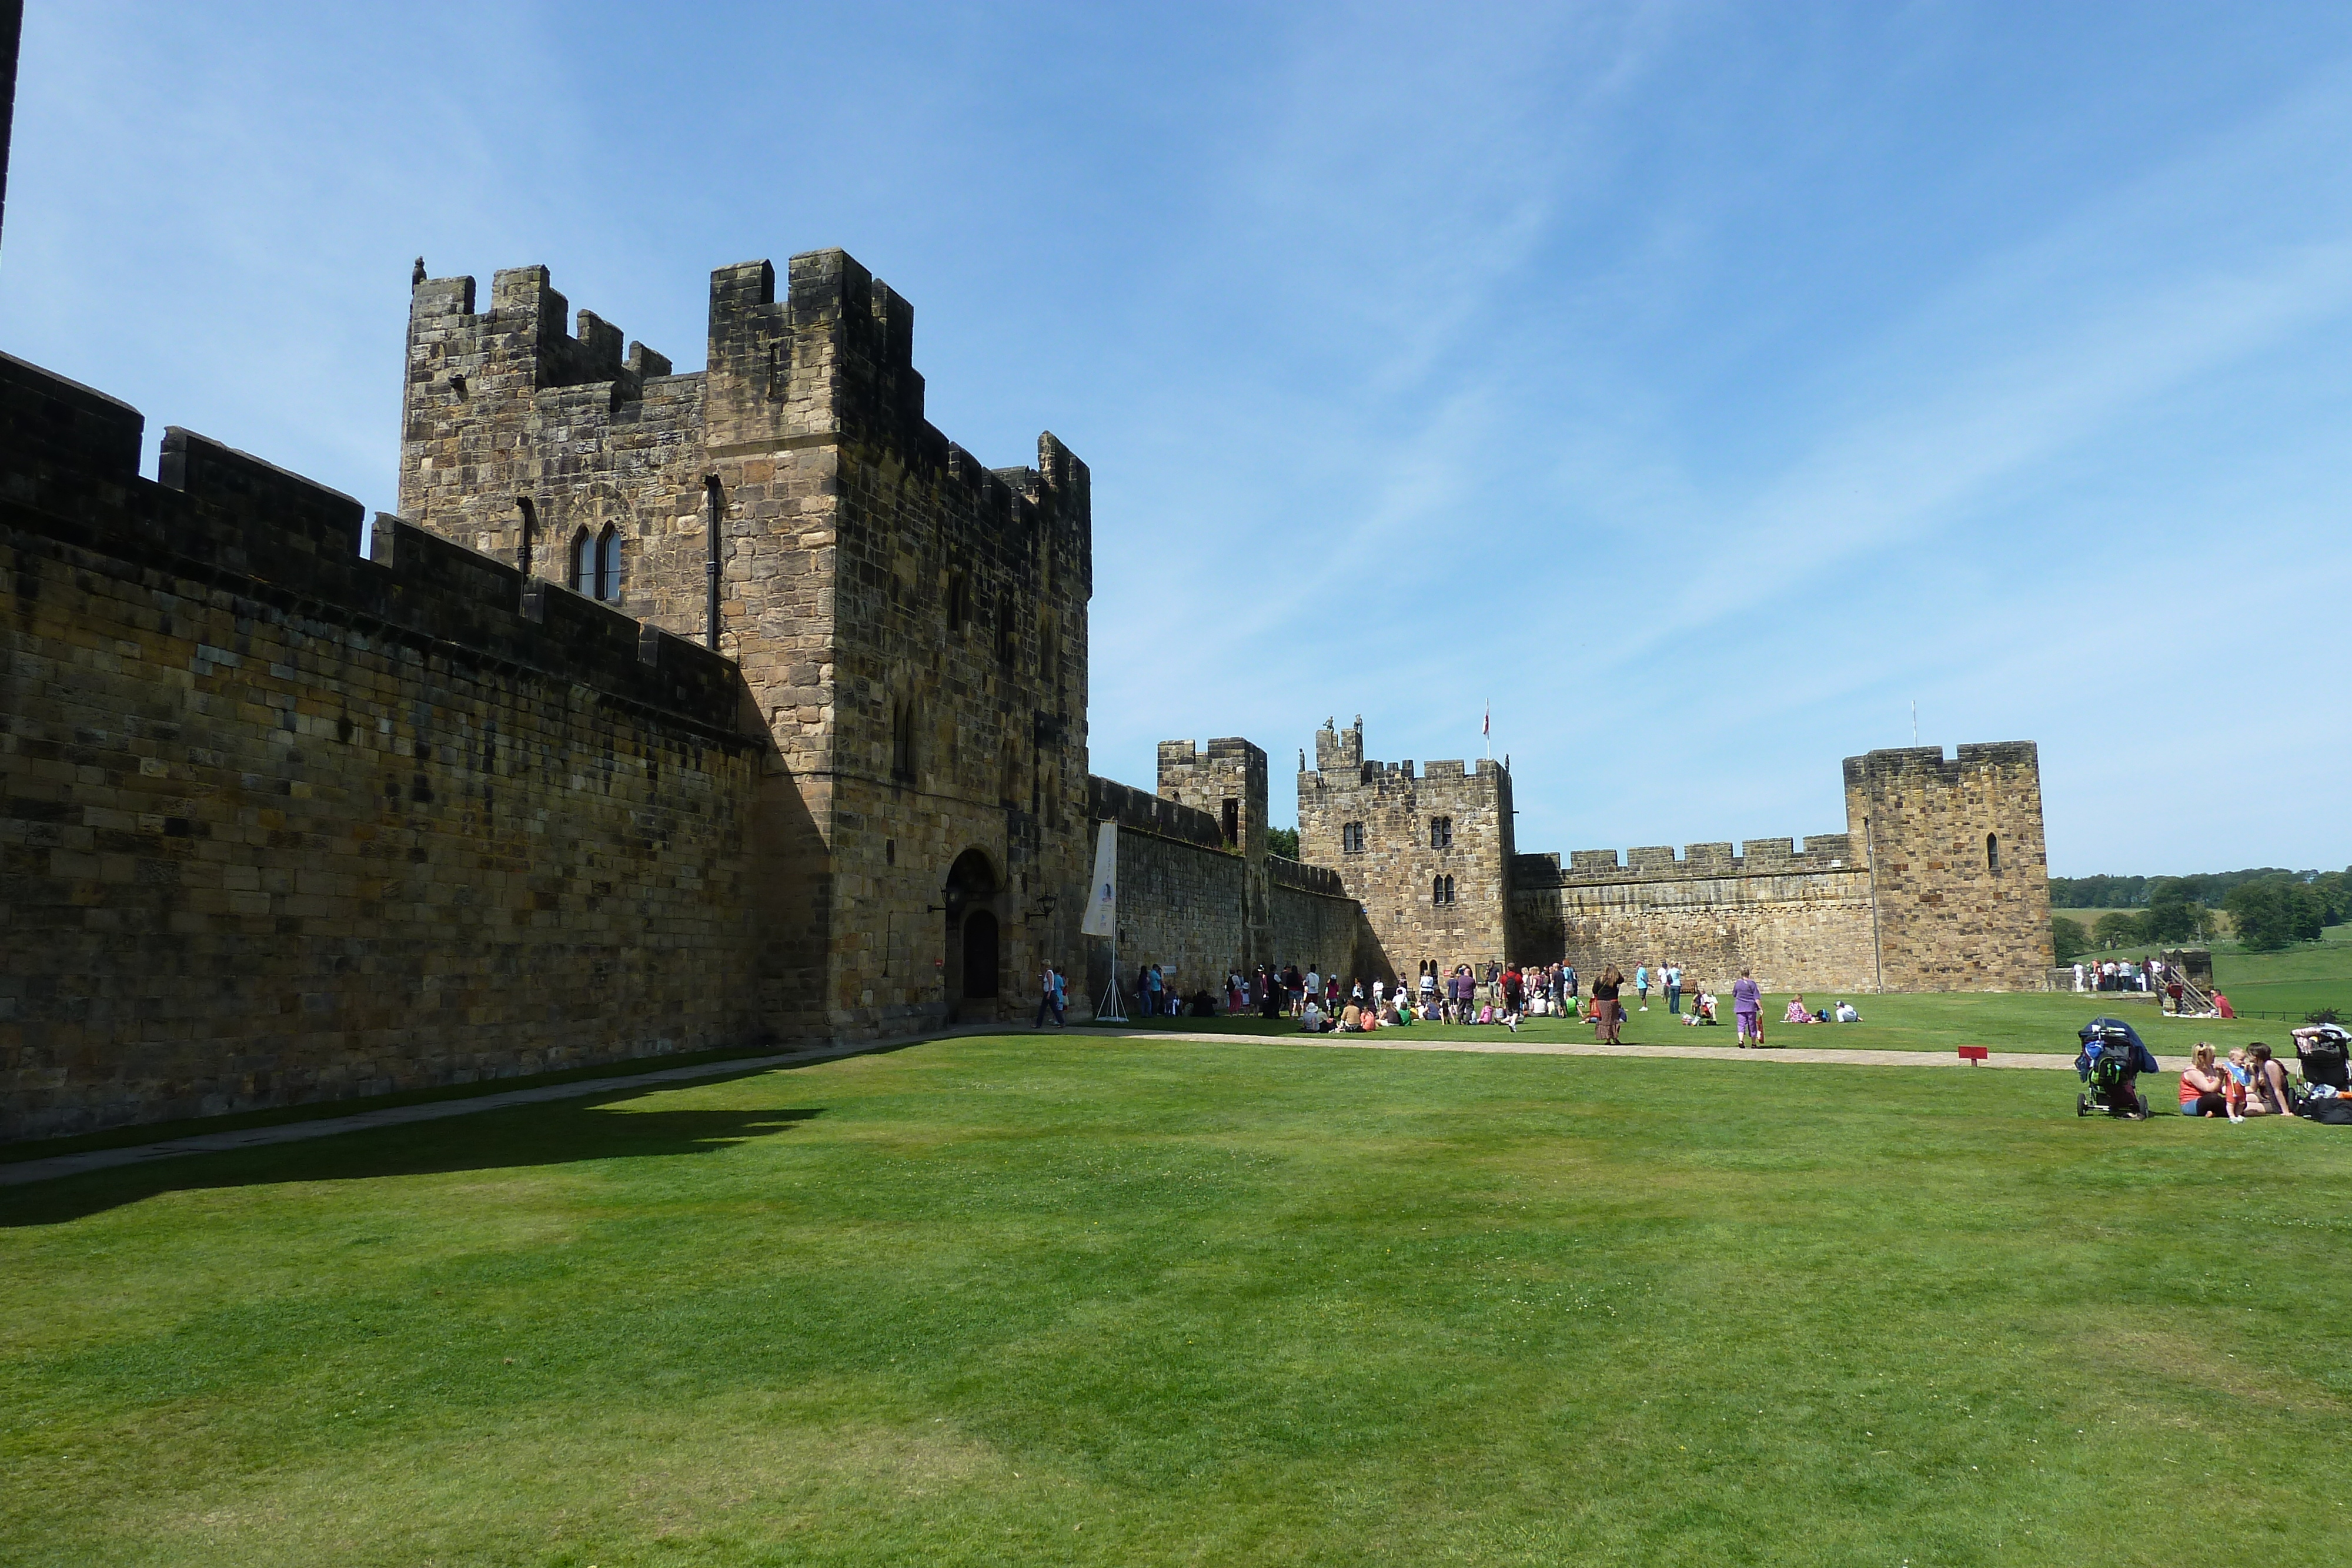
2325	1052
2112	1061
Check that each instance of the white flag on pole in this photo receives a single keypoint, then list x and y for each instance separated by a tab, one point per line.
1102	894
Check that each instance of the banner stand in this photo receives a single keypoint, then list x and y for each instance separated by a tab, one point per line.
1102	919
1112	1008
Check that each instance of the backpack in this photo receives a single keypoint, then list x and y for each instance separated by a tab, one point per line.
2332	1112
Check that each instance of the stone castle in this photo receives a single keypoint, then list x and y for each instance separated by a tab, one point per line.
677	712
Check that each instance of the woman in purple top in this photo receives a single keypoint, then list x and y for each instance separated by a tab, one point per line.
1748	1007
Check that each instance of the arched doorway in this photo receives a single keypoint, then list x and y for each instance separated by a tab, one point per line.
980	956
975	938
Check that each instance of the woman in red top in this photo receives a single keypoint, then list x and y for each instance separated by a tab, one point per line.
2200	1087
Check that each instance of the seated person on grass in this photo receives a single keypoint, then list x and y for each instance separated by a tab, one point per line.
1312	1020
1847	1013
1351	1020
2268	1095
1702	1010
1797	1012
2200	1086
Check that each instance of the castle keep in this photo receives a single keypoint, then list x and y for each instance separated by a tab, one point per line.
684	711
910	626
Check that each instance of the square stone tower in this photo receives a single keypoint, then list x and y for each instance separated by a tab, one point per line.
1428	857
911	625
1228	780
1959	873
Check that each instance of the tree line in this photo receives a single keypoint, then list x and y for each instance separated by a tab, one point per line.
2268	910
2208	888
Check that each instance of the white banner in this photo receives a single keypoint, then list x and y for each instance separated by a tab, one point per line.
1102	894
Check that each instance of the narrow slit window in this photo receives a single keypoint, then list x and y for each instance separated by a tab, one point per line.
1232	823
902	740
1992	853
608	564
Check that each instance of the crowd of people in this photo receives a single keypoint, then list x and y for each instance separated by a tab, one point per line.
2149	975
1500	994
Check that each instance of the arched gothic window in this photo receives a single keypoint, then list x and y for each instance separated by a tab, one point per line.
1441	891
608	564
584	563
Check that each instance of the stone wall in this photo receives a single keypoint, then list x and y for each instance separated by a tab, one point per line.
282	823
1939	883
1450	821
912	626
1960	870
1186	901
1800	926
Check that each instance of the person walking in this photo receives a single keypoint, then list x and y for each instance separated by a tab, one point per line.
1747	1008
1046	998
1608	1012
1642	984
1674	986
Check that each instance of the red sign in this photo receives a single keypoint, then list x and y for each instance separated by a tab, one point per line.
1972	1054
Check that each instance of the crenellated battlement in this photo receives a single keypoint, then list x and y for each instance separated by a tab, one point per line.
1656	863
518	347
225	517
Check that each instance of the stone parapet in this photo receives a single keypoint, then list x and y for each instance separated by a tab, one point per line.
1139	811
1708	862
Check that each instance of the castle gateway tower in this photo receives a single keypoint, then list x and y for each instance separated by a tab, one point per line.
911	625
1427	855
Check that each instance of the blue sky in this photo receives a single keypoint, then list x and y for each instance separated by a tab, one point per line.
1701	385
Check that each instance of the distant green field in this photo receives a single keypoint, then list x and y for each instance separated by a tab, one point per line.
2305	977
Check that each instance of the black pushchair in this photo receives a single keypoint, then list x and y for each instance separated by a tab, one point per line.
2112	1061
2326	1054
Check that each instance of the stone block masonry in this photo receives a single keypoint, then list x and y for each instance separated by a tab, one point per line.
1192	902
1801	929
281	823
1961	872
912	626
1939	881
1426	855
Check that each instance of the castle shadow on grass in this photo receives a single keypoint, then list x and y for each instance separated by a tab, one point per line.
559	1134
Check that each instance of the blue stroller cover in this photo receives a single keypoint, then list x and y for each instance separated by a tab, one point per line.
2104	1036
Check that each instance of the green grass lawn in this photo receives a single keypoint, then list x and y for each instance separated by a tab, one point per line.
1072	1299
